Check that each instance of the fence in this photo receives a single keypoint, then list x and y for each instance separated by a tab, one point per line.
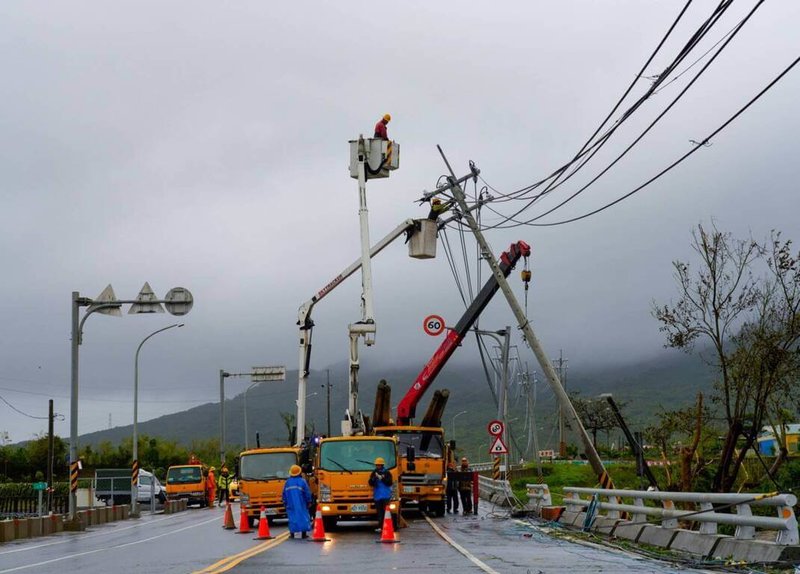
27	505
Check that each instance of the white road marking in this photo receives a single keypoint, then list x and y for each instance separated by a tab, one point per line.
67	557
474	559
85	536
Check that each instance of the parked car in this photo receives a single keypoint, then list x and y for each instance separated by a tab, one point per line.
113	486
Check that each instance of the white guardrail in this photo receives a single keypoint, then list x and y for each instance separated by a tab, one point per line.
746	524
495	491
538	496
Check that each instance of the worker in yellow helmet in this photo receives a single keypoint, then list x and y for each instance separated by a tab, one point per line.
380	480
380	127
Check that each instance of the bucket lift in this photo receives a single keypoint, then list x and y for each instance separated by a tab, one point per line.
371	158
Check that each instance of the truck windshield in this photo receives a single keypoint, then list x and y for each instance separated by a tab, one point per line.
426	444
356	455
184	475
266	465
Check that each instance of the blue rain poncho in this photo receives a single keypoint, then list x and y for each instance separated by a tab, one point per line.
296	498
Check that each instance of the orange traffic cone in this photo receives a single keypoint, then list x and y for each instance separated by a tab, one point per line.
244	521
263	526
227	522
318	534
387	532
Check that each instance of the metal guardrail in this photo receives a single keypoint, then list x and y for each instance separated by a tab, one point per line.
495	491
705	514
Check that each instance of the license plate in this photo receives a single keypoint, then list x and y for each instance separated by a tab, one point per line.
272	511
408	489
358	508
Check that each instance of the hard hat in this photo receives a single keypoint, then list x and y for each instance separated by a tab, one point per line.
387	117
212	468
464	459
379	460
436	201
295	470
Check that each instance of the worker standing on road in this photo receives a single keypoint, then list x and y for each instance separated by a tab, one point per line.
381	482
465	486
452	488
211	487
223	484
296	498
380	127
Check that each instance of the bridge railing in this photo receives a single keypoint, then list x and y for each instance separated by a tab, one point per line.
538	496
705	513
495	491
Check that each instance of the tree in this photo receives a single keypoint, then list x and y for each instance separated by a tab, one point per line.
595	414
752	325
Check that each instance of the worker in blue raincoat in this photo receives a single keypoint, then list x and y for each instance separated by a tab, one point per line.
381	482
296	498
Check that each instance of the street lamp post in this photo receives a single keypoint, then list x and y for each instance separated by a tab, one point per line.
178	301
135	465
454	423
502	399
257	375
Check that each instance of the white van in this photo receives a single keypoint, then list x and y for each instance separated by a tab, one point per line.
145	480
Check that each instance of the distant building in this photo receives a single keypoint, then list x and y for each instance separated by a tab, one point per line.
768	441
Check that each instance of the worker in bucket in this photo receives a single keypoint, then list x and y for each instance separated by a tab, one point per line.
438	207
380	127
381	482
296	498
465	486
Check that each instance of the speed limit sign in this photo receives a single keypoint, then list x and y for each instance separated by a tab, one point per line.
495	428
433	325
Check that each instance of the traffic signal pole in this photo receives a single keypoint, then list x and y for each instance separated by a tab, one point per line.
525	326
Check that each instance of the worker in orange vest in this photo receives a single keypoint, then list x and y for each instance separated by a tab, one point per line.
211	487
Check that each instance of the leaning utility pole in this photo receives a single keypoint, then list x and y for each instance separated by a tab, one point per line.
562	376
524	324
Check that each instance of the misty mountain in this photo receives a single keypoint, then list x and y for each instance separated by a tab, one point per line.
667	381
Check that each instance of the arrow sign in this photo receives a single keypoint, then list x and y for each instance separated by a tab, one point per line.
498	447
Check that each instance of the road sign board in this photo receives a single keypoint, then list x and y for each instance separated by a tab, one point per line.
498	446
495	428
262	374
179	301
433	325
107	296
39	486
144	302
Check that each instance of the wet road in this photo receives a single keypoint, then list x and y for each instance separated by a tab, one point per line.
194	541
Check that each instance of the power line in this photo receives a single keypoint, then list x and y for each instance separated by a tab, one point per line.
682	158
23	413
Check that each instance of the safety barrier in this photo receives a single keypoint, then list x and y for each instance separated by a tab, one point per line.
18	528
538	496
637	521
495	491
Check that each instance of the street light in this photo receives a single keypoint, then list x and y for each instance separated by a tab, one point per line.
246	434
178	301
135	466
454	423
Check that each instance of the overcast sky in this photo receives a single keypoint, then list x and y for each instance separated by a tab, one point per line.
204	145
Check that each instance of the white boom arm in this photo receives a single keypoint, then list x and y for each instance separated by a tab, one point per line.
307	325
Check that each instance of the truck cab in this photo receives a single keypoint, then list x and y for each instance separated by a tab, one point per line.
342	466
187	481
262	474
422	466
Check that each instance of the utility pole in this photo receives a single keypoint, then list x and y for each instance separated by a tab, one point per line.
562	375
525	326
328	389
50	454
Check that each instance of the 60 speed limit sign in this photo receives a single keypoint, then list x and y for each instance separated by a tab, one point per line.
433	325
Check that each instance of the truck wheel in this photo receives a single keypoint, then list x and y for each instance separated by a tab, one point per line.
329	522
395	521
437	508
252	520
